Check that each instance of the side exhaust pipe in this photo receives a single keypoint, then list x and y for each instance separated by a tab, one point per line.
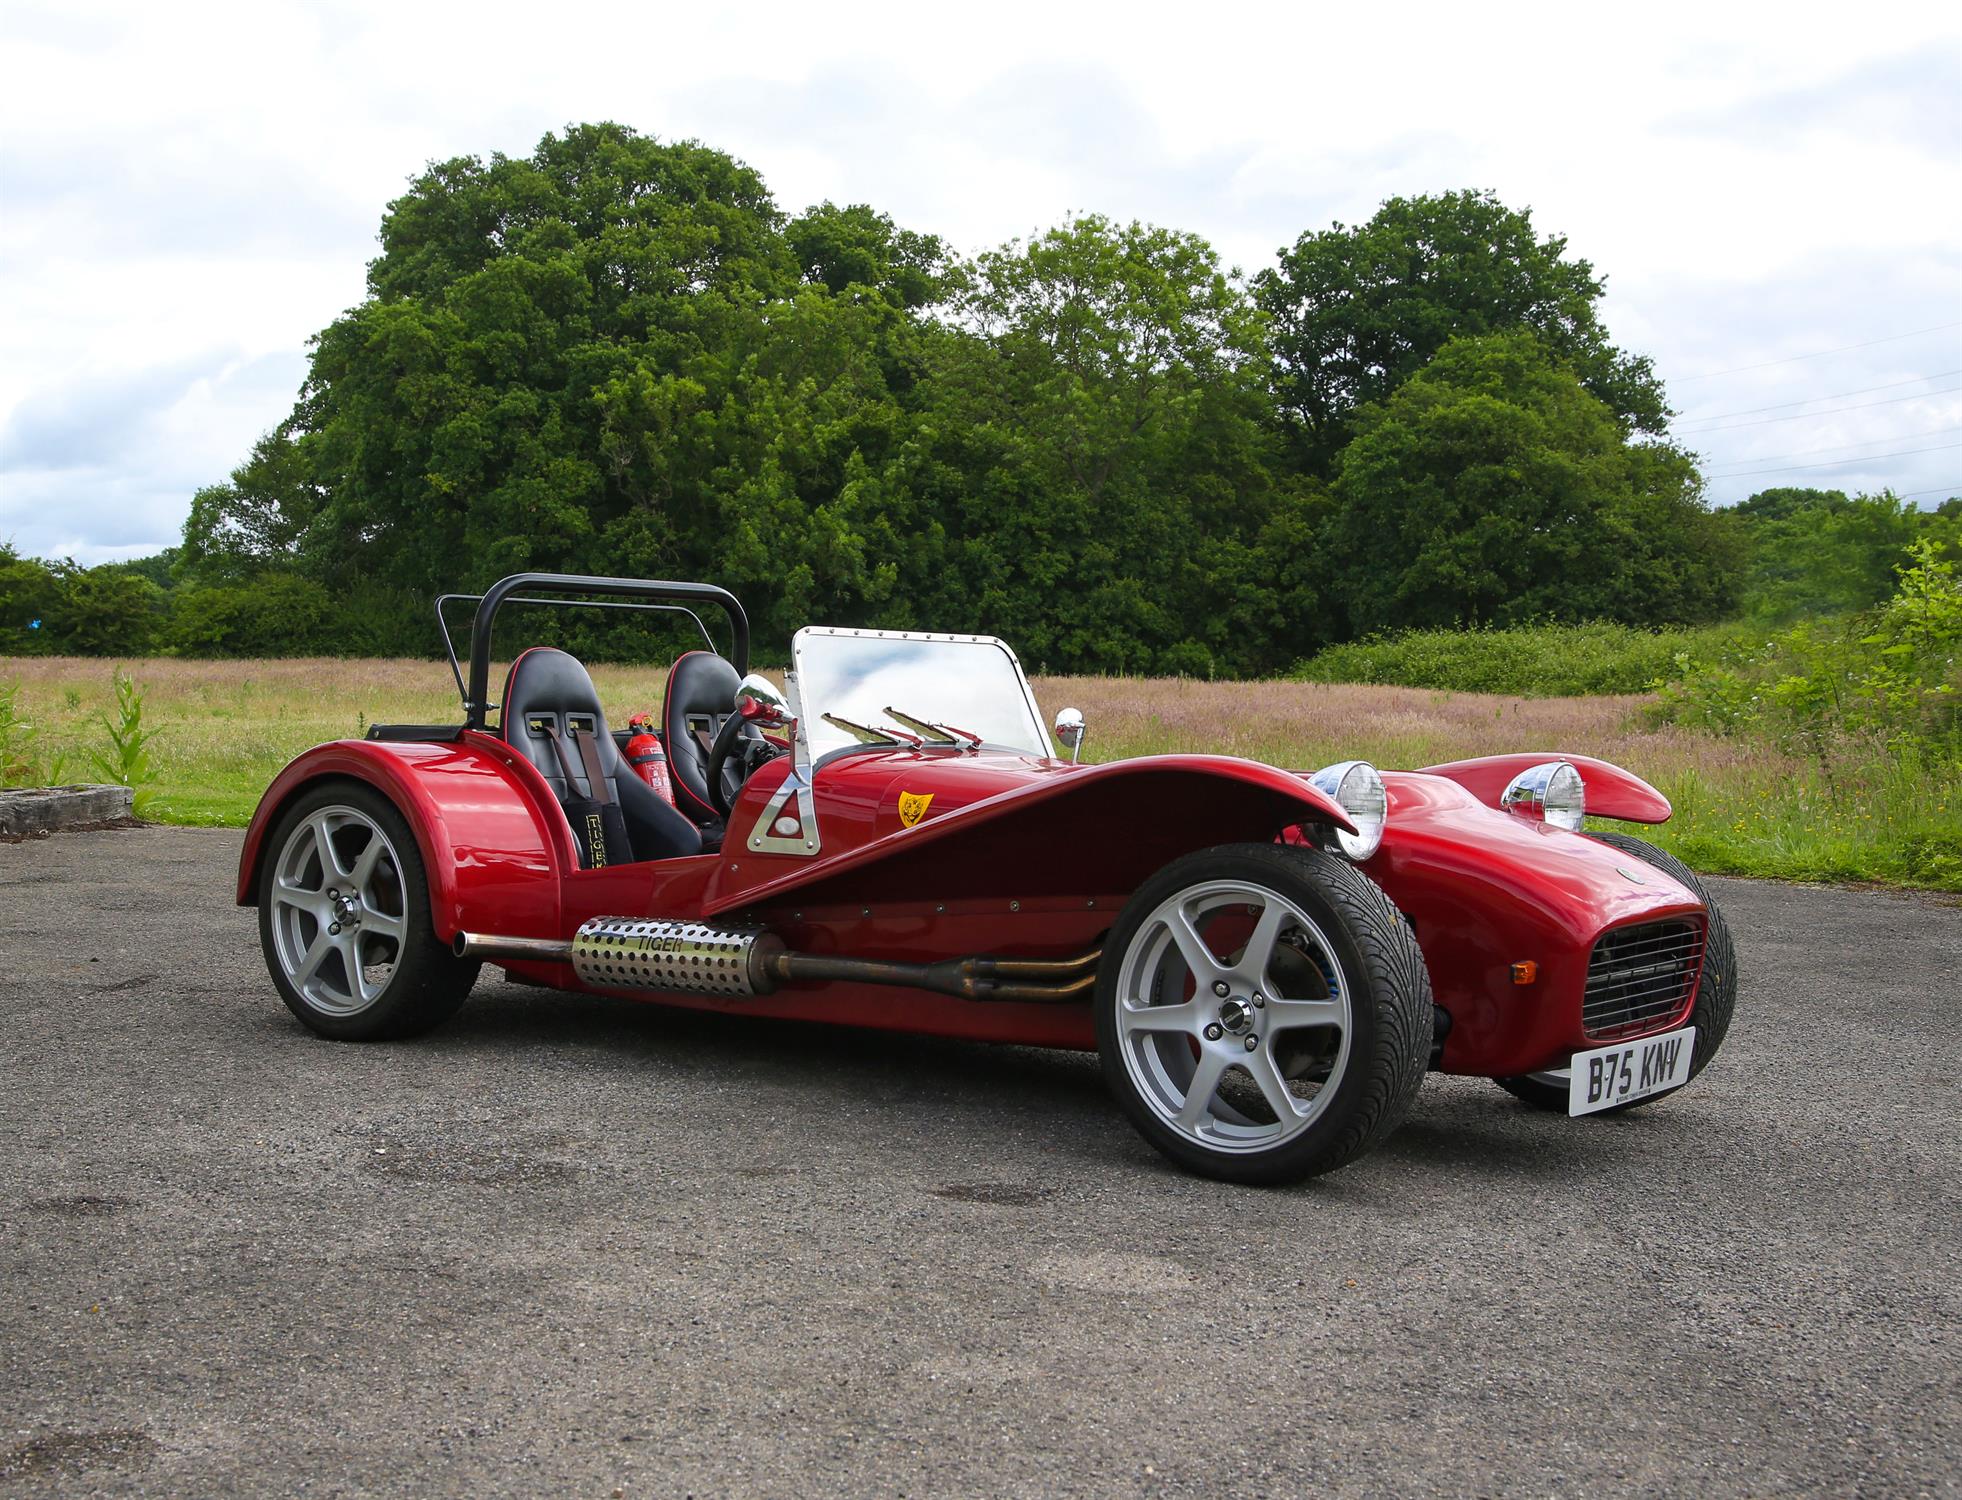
1026	979
480	945
693	958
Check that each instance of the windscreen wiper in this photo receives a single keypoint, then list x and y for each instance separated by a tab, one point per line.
866	735
937	734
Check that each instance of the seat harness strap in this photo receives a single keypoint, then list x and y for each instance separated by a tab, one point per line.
601	784
601	789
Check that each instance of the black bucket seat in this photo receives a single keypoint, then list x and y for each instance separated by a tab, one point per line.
547	686
701	694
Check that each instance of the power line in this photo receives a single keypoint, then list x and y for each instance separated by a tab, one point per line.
1871	458
1865	390
1802	416
1899	437
1892	338
1953	487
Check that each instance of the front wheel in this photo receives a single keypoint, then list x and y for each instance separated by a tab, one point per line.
344	920
1716	989
1263	1012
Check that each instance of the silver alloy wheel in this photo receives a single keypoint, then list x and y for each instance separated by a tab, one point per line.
1214	1042
339	910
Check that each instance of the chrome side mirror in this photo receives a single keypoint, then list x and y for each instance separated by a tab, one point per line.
1069	730
759	701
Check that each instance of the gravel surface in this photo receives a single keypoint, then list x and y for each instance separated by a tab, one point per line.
570	1246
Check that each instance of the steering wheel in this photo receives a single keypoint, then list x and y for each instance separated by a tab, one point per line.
755	750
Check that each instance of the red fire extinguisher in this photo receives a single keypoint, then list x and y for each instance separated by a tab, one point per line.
645	755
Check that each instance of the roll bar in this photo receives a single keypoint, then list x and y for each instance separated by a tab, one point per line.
476	696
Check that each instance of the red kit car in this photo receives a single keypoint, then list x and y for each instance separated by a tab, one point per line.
1267	961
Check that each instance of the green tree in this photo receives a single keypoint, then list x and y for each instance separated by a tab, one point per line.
1492	488
613	356
1822	552
112	610
106	611
1785	501
1108	418
258	519
159	567
29	591
1358	310
451	427
857	247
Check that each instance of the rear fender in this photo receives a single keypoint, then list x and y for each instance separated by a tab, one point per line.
1097	831
491	837
1611	791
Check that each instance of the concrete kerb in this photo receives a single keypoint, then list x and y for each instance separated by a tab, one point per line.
31	811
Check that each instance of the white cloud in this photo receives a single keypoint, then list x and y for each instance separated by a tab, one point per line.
193	178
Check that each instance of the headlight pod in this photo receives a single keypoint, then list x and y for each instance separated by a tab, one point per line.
1356	788
1552	792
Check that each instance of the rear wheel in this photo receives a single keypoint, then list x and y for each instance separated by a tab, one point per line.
1716	991
344	920
1263	1013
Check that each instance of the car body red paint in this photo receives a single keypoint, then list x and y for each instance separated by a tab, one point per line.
1026	855
1611	791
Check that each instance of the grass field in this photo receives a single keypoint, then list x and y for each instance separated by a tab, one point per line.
227	728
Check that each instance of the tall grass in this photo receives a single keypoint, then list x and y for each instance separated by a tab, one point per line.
1742	807
1540	660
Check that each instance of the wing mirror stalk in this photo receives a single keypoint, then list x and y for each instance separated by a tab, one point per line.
1069	731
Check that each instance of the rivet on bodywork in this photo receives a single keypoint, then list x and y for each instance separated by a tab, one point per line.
1014	906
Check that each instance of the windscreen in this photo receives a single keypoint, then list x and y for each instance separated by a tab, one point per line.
967	683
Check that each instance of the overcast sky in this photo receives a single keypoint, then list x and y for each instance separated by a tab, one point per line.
189	191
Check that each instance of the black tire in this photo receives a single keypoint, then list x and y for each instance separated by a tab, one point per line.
426	983
1390	1014
1716	996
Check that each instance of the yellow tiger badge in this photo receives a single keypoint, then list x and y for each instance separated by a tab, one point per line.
913	807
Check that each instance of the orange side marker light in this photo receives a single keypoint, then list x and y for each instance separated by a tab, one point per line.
1525	971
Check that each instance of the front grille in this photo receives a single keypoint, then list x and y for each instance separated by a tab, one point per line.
1641	977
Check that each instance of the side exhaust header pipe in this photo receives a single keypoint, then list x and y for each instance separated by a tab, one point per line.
693	958
1042	981
480	945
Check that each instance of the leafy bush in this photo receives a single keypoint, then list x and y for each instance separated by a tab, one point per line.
276	614
1892	676
107	611
1549	661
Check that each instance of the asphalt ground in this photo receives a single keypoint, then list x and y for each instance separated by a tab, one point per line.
570	1246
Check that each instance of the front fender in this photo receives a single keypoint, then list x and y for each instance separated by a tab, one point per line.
1611	791
1095	831
486	839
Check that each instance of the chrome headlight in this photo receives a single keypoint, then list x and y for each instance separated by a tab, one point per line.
1356	788
1553	792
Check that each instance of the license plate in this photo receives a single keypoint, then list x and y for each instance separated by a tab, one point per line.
1608	1076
